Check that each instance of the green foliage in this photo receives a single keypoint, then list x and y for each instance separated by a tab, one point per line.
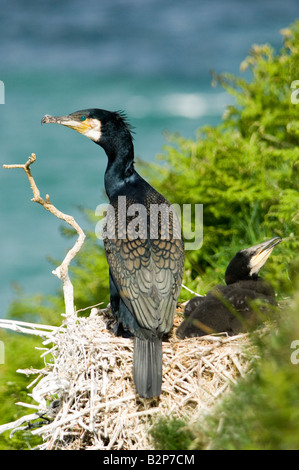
171	434
19	354
262	411
245	171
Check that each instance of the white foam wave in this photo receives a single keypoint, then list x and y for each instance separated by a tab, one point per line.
186	105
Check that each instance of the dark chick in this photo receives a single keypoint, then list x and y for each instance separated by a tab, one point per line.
230	308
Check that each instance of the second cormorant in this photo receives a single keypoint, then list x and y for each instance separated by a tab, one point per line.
145	253
229	308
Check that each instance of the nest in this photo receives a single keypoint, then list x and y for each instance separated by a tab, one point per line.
86	397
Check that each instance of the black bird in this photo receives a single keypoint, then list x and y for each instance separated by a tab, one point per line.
229	308
145	269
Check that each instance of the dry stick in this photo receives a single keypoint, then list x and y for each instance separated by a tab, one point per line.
192	292
18	422
18	326
62	271
83	412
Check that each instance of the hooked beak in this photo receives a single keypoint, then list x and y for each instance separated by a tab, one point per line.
261	253
67	121
89	127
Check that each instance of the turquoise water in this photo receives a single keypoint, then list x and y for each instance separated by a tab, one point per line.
151	59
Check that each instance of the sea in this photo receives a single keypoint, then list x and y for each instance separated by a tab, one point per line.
151	59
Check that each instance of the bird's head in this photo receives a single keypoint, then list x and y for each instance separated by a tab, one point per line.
247	263
106	128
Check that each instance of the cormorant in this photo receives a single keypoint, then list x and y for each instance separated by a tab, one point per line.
228	308
145	269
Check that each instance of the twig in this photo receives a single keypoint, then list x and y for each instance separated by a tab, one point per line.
221	374
83	412
18	422
28	405
32	325
192	292
90	307
61	271
18	326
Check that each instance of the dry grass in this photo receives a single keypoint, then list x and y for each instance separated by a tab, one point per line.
87	391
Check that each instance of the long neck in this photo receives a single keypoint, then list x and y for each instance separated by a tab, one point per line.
120	168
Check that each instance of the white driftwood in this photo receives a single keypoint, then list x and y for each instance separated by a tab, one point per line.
192	292
16	424
28	328
61	271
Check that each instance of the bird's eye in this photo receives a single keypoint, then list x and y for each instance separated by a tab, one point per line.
82	118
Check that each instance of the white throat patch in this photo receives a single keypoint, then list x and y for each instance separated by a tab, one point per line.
94	130
258	261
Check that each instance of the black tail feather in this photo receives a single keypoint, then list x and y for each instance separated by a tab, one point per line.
148	367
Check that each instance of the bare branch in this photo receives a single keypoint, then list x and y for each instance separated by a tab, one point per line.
192	292
15	424
61	271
